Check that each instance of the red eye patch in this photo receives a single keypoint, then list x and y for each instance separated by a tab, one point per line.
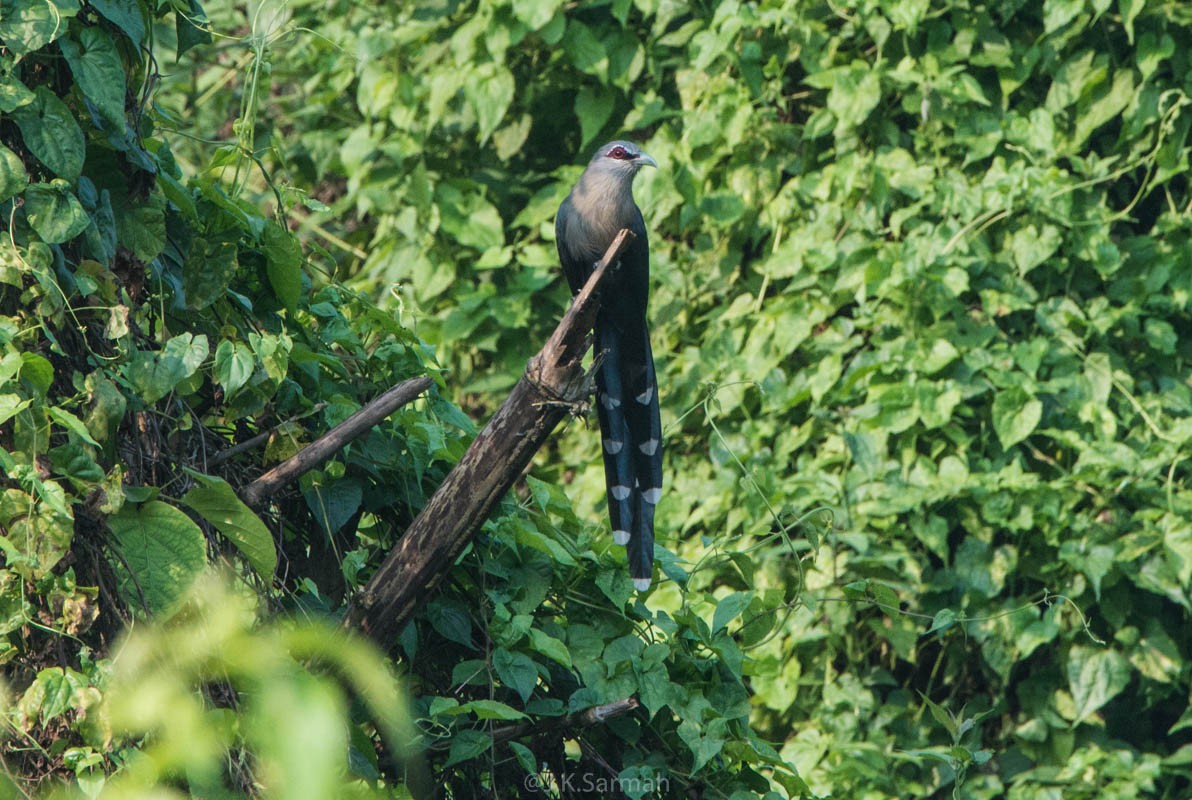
619	153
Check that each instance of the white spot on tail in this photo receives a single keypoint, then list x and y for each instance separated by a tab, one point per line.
612	446
649	447
652	496
608	401
641	584
620	492
644	397
621	537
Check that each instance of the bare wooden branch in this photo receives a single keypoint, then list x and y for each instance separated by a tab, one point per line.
334	440
260	438
554	382
596	715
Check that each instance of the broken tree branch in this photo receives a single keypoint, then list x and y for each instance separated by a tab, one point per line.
334	440
553	383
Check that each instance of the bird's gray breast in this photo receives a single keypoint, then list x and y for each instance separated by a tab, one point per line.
600	206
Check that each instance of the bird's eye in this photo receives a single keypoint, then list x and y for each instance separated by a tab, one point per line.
619	153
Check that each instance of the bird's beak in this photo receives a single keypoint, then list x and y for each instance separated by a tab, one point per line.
644	160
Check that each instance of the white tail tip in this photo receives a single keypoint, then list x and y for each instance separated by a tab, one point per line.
621	537
641	584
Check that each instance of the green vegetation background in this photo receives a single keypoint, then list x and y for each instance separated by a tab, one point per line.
921	289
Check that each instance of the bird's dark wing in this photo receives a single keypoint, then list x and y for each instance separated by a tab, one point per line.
575	269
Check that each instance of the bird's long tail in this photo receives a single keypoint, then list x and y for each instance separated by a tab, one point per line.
631	429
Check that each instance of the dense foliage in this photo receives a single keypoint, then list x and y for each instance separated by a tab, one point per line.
921	280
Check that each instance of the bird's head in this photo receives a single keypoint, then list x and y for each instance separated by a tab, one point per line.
621	158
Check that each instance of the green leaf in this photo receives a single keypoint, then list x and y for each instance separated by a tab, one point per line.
163	551
28	25
40	529
855	92
489	709
107	407
54	212
550	647
466	745
729	608
490	92
99	72
13	177
1058	13
14	94
190	25
942	716
593	107
1095	676
451	622
703	748
1015	415
1129	10
1031	246
535	13
37	372
466	215
73	461
53	692
584	50
532	537
443	705
154	375
944	618
11	405
1107	107
217	502
210	266
283	264
234	365
52	134
525	757
71	423
517	671
142	228
334	504
615	585
126	15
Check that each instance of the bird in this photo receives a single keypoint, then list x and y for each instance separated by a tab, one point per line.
597	208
